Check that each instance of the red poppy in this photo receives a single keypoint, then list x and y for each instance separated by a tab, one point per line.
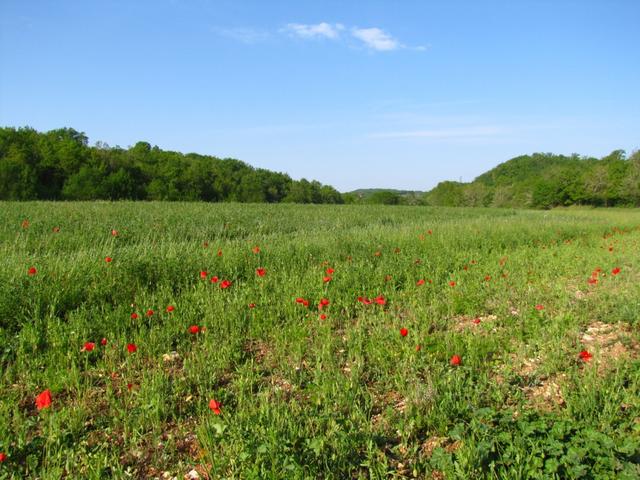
326	279
611	249
215	406
539	307
487	278
32	271
585	356
129	386
134	316
615	271
252	305
324	302
149	313
452	284
404	332
380	300
476	321
260	272
225	284
203	274
420	282
25	223
429	232
43	400
114	232
299	300
131	347
103	342
418	348
56	229
3	457
377	254
256	249
466	267
214	279
329	271
108	259
88	347
387	278
455	360
194	329
323	317
219	253
364	300
205	244
170	308
592	281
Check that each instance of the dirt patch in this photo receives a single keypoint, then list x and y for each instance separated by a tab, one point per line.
464	322
547	394
608	343
260	350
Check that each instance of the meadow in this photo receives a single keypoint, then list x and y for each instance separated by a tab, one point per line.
194	340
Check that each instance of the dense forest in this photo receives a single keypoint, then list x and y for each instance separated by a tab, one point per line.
60	165
544	180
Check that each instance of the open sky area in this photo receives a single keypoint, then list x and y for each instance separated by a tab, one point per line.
354	94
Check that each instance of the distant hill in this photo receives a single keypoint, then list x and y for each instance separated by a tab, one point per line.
386	196
545	180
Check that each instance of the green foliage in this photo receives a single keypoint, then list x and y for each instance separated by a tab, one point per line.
59	164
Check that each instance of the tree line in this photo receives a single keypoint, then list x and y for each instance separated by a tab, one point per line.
60	165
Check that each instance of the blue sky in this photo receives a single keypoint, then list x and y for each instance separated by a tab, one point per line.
398	94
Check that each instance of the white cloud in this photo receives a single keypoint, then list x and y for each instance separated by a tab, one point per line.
322	29
376	38
244	35
446	133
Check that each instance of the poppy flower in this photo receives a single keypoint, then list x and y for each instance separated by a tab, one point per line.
455	360
214	279
32	271
615	271
323	303
592	281
252	305
585	356
129	386
387	278
131	347
43	400
380	300
225	284
611	249
326	279
25	223
299	300
256	249
487	278
134	316
205	244
418	348
103	342
194	329
452	284
539	307
170	308
149	313
429	232
377	254
108	259
404	332
3	457
420	282
476	321
364	300
88	347
219	253
329	271
215	406
203	274
56	230
323	317
260	272
114	233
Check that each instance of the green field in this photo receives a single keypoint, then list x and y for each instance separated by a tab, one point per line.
308	392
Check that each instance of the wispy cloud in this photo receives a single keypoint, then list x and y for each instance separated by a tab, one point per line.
318	30
376	39
446	133
243	34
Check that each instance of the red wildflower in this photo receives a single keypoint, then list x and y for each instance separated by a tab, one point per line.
260	272
32	271
329	271
56	230
452	284
108	259
114	233
88	347
299	300
25	223
420	282
396	250
592	281
214	279
487	278
377	254
429	232
205	244
364	300
611	249
466	267
129	386
476	321
323	316
149	313
252	305
43	400
103	342
256	249
326	279
194	329
539	307
455	360
215	406
131	347
387	278
305	303
380	300
219	253
323	303
418	348
404	332
3	457
134	316
225	284
615	271
585	356
203	274
170	308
